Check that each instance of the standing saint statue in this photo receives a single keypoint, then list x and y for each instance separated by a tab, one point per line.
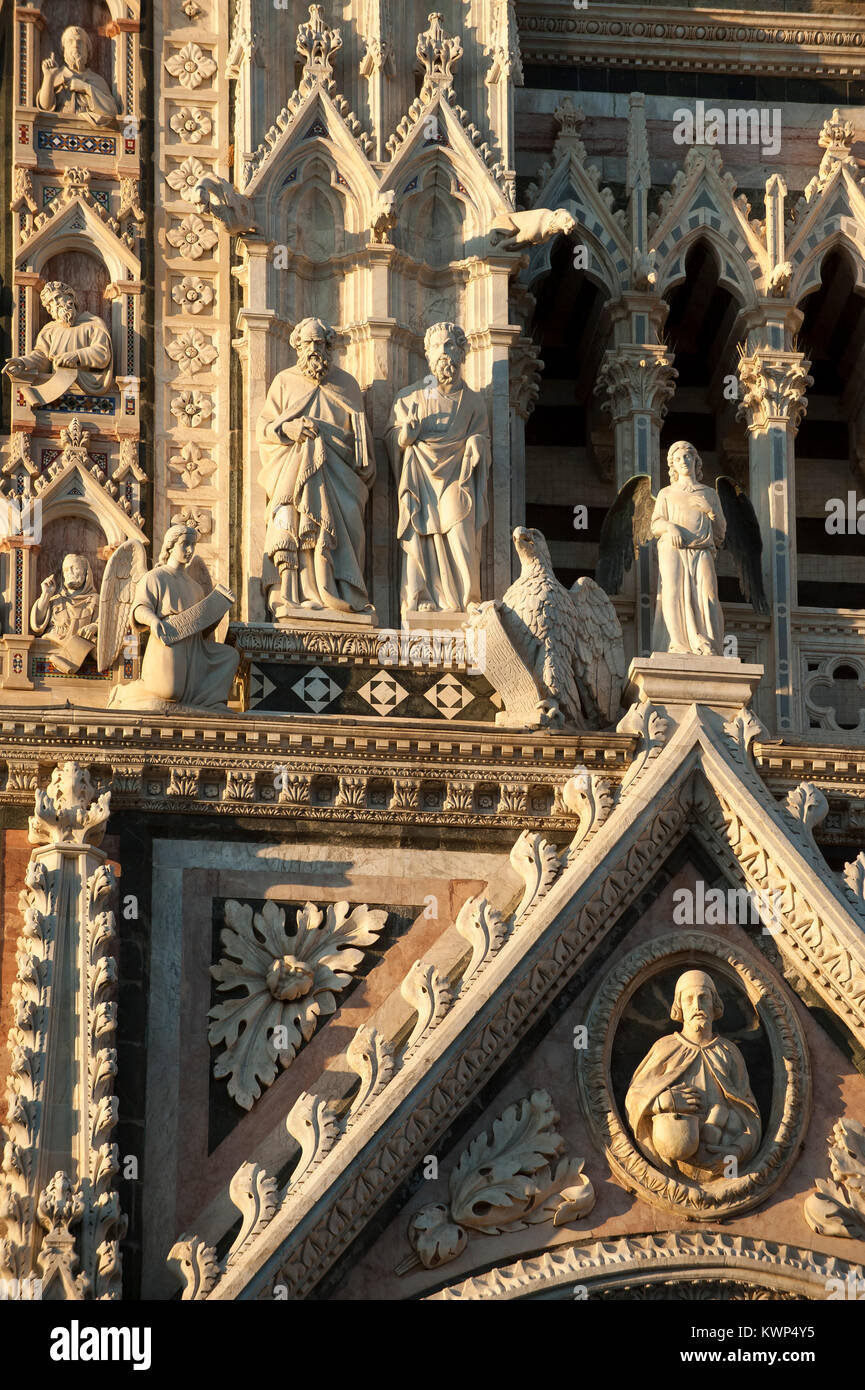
690	1104
182	665
439	441
72	88
689	524
317	467
72	353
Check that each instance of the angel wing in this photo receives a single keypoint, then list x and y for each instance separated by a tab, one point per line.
744	541
626	527
599	653
124	569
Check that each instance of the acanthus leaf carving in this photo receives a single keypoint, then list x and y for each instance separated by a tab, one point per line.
372	1057
837	1208
485	930
70	810
538	864
591	798
195	1266
503	1181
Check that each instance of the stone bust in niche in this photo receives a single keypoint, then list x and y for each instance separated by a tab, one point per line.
690	1105
72	88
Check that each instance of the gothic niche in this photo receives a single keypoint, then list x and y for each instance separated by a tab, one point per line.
696	1078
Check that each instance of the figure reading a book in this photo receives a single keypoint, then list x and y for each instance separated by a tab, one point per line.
182	664
317	467
689	1103
65	613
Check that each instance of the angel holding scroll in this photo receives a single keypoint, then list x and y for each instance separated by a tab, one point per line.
182	666
690	522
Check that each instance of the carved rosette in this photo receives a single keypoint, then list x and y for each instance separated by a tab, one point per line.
68	934
774	386
783	1128
290	981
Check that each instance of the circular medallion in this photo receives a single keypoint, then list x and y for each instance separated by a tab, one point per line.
695	1078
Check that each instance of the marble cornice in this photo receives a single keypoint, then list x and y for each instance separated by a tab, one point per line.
340	770
767	42
226	764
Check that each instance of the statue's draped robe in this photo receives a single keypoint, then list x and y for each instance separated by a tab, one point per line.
717	1070
317	488
195	671
442	495
89	338
688	612
97	103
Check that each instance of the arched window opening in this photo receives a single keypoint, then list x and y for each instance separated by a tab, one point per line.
831	564
563	452
701	330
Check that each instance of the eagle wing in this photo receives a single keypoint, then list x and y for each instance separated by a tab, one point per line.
744	541
627	526
598	652
539	617
124	569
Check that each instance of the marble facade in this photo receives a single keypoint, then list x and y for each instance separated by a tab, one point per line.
370	699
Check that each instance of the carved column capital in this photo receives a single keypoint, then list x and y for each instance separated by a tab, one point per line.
525	376
774	385
636	378
70	812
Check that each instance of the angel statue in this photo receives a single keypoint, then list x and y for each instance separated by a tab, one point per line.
568	641
183	667
690	523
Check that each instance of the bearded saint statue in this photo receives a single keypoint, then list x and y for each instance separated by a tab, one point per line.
72	353
439	442
317	467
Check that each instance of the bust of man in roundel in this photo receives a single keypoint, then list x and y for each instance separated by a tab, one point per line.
690	1104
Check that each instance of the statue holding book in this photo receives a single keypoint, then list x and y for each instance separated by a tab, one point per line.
183	667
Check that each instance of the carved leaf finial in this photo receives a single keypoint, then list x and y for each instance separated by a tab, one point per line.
427	990
195	1266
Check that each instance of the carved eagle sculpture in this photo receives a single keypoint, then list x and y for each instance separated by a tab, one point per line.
628	525
571	641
